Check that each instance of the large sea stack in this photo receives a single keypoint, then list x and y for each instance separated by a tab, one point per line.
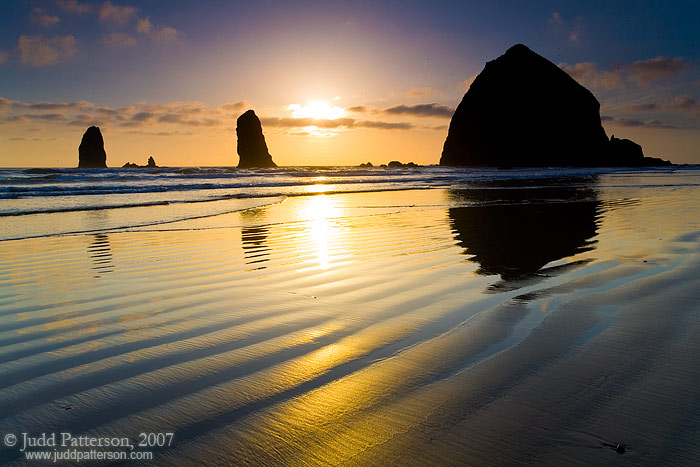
91	152
524	111
252	149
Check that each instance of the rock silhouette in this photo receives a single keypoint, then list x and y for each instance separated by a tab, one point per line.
524	111
252	148
515	229
91	152
150	165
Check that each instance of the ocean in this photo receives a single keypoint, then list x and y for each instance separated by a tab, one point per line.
354	316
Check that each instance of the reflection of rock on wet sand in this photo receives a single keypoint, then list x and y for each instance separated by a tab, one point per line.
515	231
100	252
254	239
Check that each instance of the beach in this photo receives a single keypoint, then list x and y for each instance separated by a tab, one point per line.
423	316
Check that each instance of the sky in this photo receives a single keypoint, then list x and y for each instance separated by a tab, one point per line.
334	83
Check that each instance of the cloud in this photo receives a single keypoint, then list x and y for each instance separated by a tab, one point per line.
654	69
74	7
360	109
422	110
384	125
40	51
7	104
154	119
588	75
52	117
685	104
144	26
3	56
559	26
164	34
142	116
118	40
633	122
420	92
42	18
346	123
641	73
161	133
556	22
234	107
292	122
640	108
119	14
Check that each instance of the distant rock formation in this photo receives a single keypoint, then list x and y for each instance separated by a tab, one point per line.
91	152
366	164
252	148
397	164
625	153
150	165
524	111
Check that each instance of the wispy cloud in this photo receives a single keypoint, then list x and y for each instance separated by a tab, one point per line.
3	56
346	123
41	17
119	14
41	51
118	40
633	122
644	72
640	73
420	92
357	109
573	30
73	6
683	104
193	114
164	34
422	110
170	118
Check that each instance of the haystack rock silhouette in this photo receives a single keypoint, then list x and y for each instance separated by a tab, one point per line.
524	111
91	152
252	148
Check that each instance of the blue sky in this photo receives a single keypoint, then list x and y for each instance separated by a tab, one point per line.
146	71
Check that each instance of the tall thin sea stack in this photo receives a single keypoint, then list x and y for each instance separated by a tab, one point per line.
91	152
524	111
252	148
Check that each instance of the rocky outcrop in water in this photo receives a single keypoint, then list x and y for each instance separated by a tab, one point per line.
524	111
91	152
150	165
252	148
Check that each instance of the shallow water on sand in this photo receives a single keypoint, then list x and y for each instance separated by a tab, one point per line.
509	321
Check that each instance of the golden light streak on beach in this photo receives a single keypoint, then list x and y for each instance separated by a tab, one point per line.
319	210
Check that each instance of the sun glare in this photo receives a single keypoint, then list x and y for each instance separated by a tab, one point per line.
320	110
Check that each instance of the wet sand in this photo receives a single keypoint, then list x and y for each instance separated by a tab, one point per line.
393	328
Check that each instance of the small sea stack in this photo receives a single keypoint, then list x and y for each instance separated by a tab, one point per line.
252	148
150	165
91	152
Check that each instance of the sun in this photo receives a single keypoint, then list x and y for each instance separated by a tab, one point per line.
318	110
